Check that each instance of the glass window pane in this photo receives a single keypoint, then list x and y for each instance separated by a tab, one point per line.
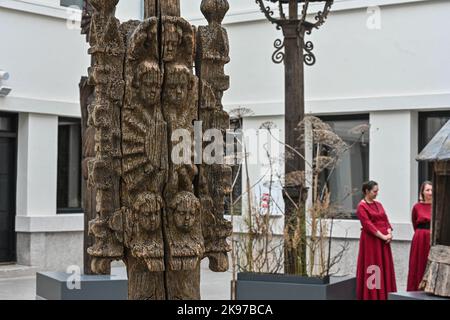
353	168
69	166
70	3
235	135
5	124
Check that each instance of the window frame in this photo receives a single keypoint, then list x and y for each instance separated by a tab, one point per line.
79	5
348	117
235	125
12	134
68	210
423	116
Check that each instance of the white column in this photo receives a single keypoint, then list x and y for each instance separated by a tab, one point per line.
37	165
393	148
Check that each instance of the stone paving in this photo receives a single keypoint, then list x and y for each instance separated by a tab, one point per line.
19	283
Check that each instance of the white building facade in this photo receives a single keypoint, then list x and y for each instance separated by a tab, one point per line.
385	63
45	56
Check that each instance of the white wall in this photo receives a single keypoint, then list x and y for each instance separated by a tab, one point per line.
404	57
393	149
44	62
46	55
404	64
37	165
391	73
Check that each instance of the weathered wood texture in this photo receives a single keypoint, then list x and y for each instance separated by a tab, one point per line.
441	208
437	274
89	193
159	216
215	179
106	74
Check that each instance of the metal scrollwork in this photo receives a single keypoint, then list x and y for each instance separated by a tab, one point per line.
278	55
304	27
309	57
268	12
304	12
322	15
280	8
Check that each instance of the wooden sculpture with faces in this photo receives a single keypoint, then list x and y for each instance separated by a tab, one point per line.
159	216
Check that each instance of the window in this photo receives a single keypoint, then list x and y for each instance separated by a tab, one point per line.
69	166
6	123
429	124
353	168
8	177
69	3
235	130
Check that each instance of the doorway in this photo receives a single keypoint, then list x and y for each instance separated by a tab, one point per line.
8	152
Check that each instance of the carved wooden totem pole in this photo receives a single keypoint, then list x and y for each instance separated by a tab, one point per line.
88	150
160	216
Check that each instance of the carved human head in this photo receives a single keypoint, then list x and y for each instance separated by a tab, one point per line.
178	83
148	80
185	208
172	37
148	208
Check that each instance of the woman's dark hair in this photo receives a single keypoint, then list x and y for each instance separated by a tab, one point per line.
368	186
422	189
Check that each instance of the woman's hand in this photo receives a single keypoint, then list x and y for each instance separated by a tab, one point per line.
385	237
388	238
390	234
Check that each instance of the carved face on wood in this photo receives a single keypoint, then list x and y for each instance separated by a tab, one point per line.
172	36
148	209
150	220
148	80
178	83
185	209
185	219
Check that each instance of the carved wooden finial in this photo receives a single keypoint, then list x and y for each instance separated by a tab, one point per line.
214	10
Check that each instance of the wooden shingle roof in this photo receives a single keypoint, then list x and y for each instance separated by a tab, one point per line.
439	147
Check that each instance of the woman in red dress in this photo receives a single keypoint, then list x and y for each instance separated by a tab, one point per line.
375	274
420	245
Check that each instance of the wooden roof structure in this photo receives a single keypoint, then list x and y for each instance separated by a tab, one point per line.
438	149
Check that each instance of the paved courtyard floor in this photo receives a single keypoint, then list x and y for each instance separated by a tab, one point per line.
17	283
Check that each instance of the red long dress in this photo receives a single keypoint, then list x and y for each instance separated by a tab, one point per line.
375	274
420	245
